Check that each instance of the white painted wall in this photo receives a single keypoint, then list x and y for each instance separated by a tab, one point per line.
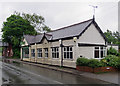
86	52
92	36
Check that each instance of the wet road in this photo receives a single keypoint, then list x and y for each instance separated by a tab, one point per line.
28	74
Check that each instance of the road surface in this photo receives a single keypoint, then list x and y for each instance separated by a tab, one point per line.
15	73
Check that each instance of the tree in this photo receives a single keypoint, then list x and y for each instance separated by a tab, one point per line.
109	36
13	30
113	37
35	20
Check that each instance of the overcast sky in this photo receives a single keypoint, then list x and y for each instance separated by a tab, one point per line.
60	14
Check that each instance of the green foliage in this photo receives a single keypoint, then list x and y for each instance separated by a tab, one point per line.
82	61
112	51
89	62
113	37
94	63
109	36
13	30
37	21
16	52
112	60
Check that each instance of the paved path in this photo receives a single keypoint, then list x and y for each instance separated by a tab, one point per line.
112	77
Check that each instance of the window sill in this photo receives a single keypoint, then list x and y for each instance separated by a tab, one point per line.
98	58
39	57
69	59
32	57
55	58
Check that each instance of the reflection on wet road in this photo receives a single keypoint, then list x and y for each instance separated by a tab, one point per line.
29	74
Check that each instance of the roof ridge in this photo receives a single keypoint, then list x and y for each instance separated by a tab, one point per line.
48	34
71	25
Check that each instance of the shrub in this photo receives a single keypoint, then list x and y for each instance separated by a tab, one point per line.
111	60
94	63
82	61
118	65
112	51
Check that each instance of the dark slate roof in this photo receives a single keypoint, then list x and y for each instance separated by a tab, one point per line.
29	38
70	31
36	39
65	32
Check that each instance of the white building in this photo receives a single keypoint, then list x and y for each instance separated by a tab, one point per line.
63	46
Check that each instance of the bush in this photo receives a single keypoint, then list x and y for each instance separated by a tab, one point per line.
112	51
112	60
82	61
94	63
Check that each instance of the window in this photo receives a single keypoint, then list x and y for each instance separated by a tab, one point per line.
39	51
96	52
100	52
68	53
46	52
33	52
55	52
26	52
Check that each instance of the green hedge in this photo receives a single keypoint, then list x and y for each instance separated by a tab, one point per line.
82	61
94	63
88	62
110	60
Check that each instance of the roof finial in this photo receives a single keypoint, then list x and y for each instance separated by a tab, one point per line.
93	11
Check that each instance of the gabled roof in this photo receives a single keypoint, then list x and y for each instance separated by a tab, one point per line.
70	31
65	32
36	39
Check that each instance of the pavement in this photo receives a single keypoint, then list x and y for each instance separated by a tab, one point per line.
111	77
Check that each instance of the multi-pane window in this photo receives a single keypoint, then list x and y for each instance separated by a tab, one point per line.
96	52
39	52
33	52
46	52
55	52
100	52
25	52
68	53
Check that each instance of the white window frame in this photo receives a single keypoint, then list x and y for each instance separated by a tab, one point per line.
33	53
67	52
55	52
46	52
39	52
104	52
